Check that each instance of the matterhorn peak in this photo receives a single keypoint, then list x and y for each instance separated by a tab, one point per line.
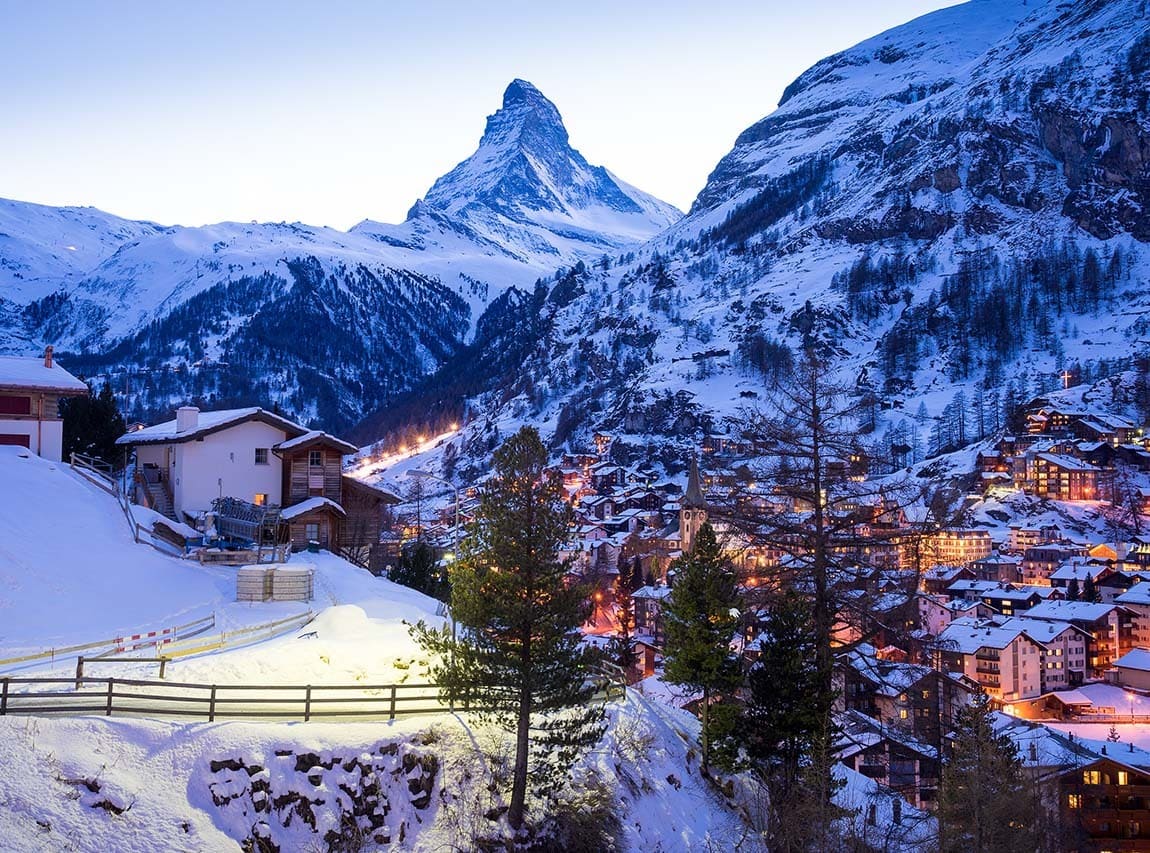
525	166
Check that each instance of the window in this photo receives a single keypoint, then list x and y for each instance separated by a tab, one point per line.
10	404
1074	801
261	456
311	531
1123	777
260	499
315	458
1091	777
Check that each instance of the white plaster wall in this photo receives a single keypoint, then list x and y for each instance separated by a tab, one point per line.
46	438
223	463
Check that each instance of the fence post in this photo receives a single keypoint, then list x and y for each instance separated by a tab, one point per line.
4	697
108	711
79	670
163	665
391	713
307	704
212	706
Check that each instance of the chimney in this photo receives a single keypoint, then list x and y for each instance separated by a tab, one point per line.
187	417
48	356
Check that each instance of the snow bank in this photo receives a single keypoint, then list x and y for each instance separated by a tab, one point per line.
206	787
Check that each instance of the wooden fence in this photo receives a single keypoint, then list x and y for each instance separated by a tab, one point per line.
126	697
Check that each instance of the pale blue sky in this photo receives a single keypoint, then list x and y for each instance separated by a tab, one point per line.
330	112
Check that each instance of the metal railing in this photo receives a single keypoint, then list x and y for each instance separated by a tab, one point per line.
125	642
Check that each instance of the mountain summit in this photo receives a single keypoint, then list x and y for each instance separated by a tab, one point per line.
525	166
528	194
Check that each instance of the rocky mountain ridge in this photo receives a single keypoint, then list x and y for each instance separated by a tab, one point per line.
954	209
234	312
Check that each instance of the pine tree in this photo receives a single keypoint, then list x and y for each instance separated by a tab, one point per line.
984	803
1090	590
1073	591
92	424
417	569
700	618
519	654
781	724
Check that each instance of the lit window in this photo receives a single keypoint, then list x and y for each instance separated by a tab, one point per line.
1091	777
261	456
1123	777
1074	801
261	499
315	458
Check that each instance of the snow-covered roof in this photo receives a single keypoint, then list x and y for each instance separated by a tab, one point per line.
208	422
1077	571
1067	463
1137	594
310	505
967	636
654	592
1135	659
1019	593
1039	630
1065	611
30	373
316	436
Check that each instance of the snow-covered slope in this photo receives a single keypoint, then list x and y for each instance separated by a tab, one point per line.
958	204
70	572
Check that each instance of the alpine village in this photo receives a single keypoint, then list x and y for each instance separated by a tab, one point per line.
815	518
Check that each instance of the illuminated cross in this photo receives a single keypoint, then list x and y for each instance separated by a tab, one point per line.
1065	376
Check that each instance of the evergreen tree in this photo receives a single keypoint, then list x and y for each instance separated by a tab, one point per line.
1090	590
700	618
519	655
418	569
1073	591
984	803
781	724
92	424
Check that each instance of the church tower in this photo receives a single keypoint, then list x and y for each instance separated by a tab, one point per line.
692	509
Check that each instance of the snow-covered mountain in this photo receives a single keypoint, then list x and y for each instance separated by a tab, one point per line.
527	194
224	312
960	204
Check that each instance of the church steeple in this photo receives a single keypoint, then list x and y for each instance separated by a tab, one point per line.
693	498
692	509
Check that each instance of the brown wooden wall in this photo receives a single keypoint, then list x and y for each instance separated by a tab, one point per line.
364	516
298	476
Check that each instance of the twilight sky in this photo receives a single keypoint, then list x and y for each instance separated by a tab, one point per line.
329	113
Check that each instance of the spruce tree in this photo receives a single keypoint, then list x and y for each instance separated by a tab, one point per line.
92	424
1090	590
984	803
1073	590
700	619
519	655
781	720
417	569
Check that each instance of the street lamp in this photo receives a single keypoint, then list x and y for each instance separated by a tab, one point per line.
1130	696
419	474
